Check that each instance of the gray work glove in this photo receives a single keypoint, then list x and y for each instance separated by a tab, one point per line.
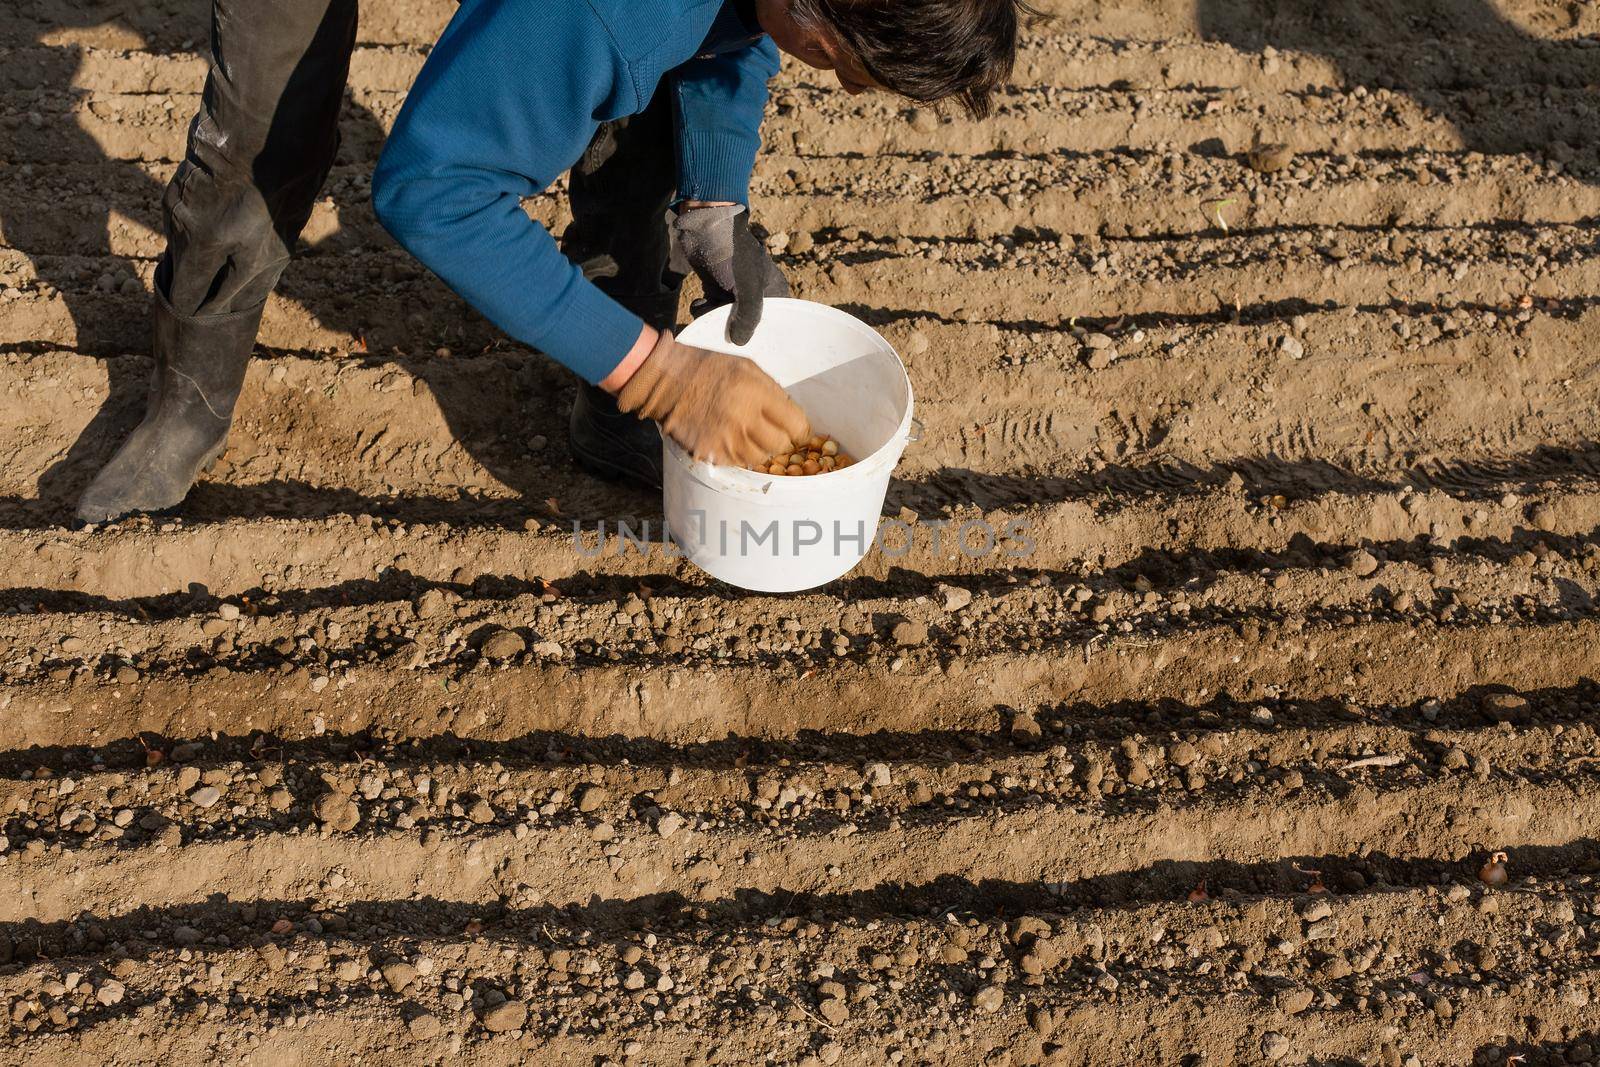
733	266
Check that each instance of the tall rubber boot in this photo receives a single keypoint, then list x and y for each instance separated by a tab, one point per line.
200	367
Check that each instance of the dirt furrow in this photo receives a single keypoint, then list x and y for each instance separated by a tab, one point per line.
1377	29
1000	960
1050	60
1046	280
1133	1027
141	126
1051	119
798	202
57	209
449	626
1124	760
1108	518
659	849
677	696
1153	193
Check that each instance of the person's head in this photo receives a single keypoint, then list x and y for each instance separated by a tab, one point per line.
924	50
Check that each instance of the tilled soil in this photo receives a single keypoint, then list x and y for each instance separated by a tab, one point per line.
1290	626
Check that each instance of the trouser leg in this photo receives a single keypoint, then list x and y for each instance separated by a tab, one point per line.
620	191
259	151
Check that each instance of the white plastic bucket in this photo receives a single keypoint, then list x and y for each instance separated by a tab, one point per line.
776	534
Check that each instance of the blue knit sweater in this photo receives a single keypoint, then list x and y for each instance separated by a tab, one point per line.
509	99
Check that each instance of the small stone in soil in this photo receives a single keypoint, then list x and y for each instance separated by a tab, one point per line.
1269	158
1361	563
988	998
503	1017
1294	1001
399	975
955	598
590	797
337	811
1316	909
908	633
1025	726
1100	358
503	644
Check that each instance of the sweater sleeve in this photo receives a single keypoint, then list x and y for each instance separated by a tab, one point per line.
507	101
720	102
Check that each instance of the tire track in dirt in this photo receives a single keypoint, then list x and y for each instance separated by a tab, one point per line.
309	423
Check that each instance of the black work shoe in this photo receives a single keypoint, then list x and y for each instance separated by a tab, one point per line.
612	444
200	367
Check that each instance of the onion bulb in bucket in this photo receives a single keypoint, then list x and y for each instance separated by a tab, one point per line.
819	455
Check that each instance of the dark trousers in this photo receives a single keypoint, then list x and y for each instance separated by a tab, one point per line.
265	138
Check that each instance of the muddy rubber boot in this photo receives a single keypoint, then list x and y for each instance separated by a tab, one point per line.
200	366
611	444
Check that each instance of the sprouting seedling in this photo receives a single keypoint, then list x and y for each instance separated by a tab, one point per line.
1214	208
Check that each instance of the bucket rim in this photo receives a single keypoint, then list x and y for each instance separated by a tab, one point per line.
748	480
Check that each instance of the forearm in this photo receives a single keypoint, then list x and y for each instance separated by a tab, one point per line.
508	268
719	105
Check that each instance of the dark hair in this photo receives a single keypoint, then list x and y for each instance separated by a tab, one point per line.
926	50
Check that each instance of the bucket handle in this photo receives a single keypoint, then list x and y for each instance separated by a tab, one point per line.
917	430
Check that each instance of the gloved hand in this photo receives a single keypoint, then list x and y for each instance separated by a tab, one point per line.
720	408
716	243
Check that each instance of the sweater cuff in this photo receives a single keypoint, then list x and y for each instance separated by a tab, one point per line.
716	166
591	333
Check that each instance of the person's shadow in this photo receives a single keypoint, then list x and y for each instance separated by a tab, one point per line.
111	321
1503	89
